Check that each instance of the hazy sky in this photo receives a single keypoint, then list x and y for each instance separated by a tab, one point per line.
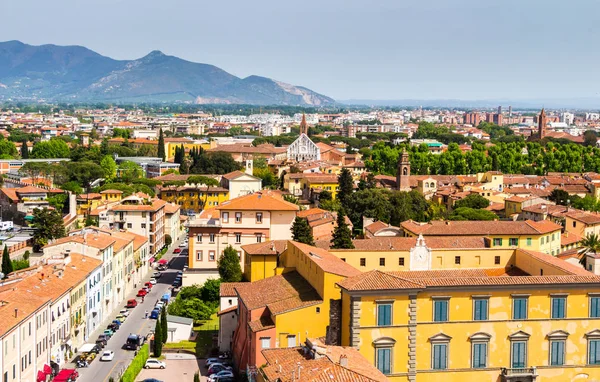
378	49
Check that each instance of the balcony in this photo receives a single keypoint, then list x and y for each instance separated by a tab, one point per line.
523	374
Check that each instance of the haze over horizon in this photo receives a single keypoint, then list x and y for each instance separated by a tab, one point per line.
432	49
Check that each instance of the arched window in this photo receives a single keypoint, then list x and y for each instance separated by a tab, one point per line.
405	171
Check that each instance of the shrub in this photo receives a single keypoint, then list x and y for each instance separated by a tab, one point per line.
136	365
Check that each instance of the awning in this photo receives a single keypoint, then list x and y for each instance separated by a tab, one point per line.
47	369
41	377
162	261
151	260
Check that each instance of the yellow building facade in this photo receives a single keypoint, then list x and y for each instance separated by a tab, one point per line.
531	318
195	198
188	146
78	313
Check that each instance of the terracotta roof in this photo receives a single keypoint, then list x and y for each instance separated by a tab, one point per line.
233	175
11	194
480	228
112	191
383	243
95	241
558	263
31	190
228	289
311	211
228	310
325	260
155	206
545	208
376	226
263	323
90	196
569	238
171	208
584	217
281	293
26	302
259	201
273	247
377	280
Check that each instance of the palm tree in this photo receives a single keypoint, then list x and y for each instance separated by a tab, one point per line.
589	244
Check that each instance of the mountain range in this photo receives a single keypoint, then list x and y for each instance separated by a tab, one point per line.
78	74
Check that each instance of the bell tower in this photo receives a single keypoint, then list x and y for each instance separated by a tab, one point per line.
542	122
403	174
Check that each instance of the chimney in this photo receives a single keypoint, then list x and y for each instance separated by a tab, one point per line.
344	361
16	312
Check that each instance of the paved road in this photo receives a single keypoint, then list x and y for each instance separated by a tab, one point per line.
135	323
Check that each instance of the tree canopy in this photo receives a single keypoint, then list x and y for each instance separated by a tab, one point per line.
301	231
48	226
53	148
342	237
472	201
229	266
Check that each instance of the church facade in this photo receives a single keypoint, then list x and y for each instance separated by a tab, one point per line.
303	149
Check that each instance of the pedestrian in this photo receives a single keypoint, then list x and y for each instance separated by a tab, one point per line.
142	298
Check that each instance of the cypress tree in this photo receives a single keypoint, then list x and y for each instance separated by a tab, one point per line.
301	231
346	184
161	145
7	266
164	328
24	150
342	237
158	339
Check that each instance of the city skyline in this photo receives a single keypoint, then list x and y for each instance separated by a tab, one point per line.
346	50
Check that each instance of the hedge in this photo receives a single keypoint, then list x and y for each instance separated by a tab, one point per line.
136	365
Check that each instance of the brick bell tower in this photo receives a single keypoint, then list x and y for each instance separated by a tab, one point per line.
542	122
403	174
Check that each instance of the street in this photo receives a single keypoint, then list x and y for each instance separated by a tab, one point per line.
135	323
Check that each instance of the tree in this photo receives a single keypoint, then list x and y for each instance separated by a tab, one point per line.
199	180
325	195
193	308
24	150
164	325
161	145
109	166
7	266
346	185
158	341
128	171
54	148
210	291
589	244
559	197
84	173
301	231
342	237
590	138
48	225
196	377
466	213
168	240
58	201
473	201
229	266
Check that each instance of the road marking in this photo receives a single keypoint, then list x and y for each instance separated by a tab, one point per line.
111	370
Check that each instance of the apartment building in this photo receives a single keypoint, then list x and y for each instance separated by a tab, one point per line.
93	308
248	219
173	226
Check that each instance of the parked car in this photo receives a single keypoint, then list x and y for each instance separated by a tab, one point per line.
177	250
222	373
183	244
102	340
151	380
224	379
159	305
177	283
121	318
148	285
109	333
157	275
217	367
153	281
142	292
124	312
155	313
112	326
66	375
134	342
131	303
211	360
153	363
107	355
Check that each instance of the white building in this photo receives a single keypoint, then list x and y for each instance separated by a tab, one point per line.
228	315
94	302
179	328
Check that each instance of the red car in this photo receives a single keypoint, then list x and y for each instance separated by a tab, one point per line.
177	250
141	293
148	285
131	303
66	375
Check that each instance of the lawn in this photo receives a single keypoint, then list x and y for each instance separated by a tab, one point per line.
205	331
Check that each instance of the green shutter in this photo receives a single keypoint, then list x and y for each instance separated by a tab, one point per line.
595	307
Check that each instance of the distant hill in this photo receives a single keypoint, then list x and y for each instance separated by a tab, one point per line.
77	74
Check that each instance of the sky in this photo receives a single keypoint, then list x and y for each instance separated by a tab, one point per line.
346	49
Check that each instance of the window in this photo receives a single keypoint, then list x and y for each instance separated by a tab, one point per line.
259	217
497	242
265	342
457	260
518	354
595	307
259	237
211	255
129	225
513	242
143	225
199	255
238	217
557	352
542	240
401	261
496	260
384	314
225	217
479	355
211	238
559	307
519	308
440	310
291	341
363	262
384	360
594	351
529	242
238	238
318	310
574	224
382	261
440	356
199	238
480	309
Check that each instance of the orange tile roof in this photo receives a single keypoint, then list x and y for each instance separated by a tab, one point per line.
584	217
259	201
480	228
171	208
16	306
382	243
228	310
233	175
376	226
228	289
325	260
11	194
273	247
156	205
569	238
31	190
111	192
263	323
94	240
281	293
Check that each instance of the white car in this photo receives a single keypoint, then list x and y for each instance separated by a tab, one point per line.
124	312
153	281
183	244
153	363
159	305
107	355
210	361
222	373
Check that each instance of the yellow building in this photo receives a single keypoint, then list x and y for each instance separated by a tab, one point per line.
78	313
260	259
532	317
87	203
492	180
305	184
109	196
542	236
194	198
171	144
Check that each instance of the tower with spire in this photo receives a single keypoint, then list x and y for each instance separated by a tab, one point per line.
542	122
403	174
303	127
303	149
